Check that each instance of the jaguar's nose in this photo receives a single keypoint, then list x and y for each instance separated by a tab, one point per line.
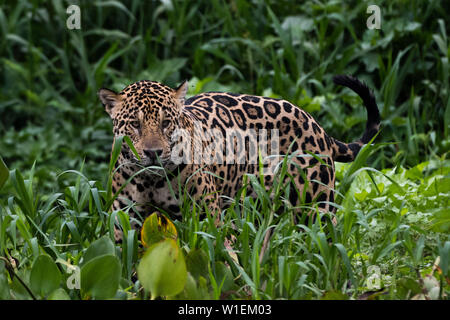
153	153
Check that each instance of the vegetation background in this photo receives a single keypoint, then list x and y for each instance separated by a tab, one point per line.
55	133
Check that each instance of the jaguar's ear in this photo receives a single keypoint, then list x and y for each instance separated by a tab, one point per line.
109	99
180	92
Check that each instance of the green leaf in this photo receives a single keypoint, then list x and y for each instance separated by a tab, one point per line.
408	286
160	70
4	173
45	276
441	220
59	294
129	252
190	291
4	287
224	275
444	253
131	145
347	263
162	270
157	227
100	247
18	291
197	263
334	295
100	277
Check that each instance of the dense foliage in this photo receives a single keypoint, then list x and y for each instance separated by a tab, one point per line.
393	219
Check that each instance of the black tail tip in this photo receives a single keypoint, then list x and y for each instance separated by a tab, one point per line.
344	80
373	119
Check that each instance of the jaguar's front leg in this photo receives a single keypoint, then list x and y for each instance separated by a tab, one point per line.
203	190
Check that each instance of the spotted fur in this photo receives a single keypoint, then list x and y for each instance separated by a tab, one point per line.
149	113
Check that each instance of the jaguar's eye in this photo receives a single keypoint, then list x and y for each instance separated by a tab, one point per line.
135	124
165	124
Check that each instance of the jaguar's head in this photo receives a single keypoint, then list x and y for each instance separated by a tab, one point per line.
148	112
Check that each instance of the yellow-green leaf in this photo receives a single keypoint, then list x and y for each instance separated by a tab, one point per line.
162	270
157	227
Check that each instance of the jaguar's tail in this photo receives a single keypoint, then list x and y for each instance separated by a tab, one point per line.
346	152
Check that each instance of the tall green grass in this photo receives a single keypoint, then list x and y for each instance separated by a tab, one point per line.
395	220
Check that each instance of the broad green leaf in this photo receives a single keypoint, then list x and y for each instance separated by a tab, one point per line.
407	286
162	270
157	227
190	291
100	277
4	287
197	263
59	294
100	247
18	290
45	276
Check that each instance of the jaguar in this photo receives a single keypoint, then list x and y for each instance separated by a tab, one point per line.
180	144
